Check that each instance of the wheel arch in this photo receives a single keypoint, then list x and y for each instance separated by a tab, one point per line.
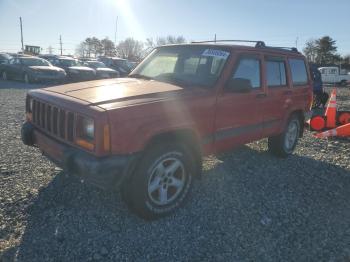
186	136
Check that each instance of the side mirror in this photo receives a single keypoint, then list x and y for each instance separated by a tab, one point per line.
239	85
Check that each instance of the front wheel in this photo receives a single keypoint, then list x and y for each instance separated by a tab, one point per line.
161	182
26	78
284	144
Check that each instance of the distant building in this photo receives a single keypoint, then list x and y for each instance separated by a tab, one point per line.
32	50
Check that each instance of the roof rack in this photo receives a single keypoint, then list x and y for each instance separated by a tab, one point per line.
257	43
291	49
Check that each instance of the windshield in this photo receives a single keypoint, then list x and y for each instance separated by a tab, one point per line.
34	62
69	62
122	65
96	64
184	65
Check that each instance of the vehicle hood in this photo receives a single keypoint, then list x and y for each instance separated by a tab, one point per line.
45	68
113	93
81	68
105	69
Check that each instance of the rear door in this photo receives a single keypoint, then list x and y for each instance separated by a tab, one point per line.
301	95
279	94
238	117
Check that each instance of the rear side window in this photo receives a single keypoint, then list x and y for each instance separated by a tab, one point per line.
276	73
298	70
249	69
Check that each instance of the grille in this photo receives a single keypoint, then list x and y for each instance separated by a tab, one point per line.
55	121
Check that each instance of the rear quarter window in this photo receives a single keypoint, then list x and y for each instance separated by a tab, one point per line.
298	71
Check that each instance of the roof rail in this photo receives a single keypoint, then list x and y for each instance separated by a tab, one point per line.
257	43
292	49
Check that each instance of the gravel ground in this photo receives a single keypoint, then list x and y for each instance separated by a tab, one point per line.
249	206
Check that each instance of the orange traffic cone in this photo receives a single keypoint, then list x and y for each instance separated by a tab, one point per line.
331	110
339	131
344	118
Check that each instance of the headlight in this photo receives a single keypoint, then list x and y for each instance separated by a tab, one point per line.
85	131
86	128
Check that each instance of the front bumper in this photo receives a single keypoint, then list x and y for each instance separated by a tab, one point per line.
81	76
51	78
105	172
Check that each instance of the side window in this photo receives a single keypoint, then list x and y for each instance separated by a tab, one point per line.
190	65
249	69
276	73
298	70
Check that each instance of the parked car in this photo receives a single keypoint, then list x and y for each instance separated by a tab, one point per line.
132	65
102	71
147	133
4	58
332	75
75	70
118	64
49	57
31	69
320	96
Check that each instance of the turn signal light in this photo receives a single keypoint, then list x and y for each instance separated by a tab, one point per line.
106	138
85	144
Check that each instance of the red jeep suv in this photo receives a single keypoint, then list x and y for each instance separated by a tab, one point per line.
148	132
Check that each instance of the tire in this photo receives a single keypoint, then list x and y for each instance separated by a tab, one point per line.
284	144
26	78
161	182
4	76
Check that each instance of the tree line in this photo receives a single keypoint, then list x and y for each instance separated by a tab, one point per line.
129	48
323	52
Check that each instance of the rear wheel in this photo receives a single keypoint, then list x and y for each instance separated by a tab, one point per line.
161	182
284	144
4	76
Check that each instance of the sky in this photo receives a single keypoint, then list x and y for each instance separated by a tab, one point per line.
277	22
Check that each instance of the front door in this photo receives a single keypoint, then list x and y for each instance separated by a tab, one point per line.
238	118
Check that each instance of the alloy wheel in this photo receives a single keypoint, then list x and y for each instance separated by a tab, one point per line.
167	181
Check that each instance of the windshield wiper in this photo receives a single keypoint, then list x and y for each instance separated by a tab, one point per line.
140	76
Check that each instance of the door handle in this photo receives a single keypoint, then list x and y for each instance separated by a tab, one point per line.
261	95
287	92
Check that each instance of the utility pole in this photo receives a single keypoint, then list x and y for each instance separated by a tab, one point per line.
20	22
215	38
296	42
116	30
61	44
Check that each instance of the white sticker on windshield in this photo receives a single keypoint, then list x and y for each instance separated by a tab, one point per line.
215	53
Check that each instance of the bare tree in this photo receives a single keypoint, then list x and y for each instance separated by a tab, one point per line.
130	49
50	50
310	50
108	47
150	43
